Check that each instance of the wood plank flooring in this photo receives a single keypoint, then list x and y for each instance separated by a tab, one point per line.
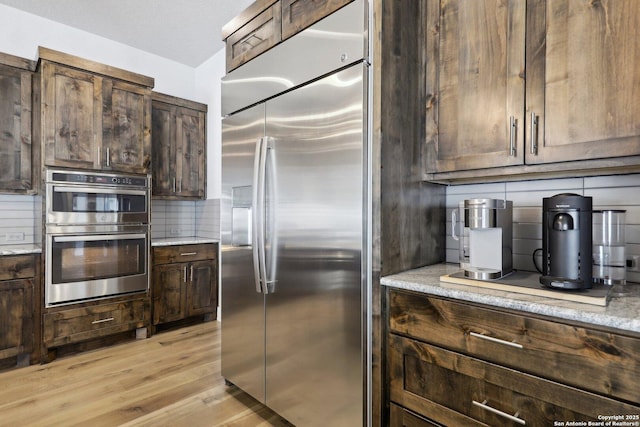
171	379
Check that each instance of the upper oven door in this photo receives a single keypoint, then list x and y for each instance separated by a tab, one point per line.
85	204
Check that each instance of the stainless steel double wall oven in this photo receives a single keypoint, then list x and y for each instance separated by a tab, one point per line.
96	235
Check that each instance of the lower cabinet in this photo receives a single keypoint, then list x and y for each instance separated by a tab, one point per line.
18	282
453	364
184	281
95	320
400	416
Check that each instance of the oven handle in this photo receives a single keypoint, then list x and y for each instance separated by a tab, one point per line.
60	189
94	238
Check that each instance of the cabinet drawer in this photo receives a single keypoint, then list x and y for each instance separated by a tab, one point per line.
255	37
455	389
17	267
299	14
184	253
593	360
79	324
400	417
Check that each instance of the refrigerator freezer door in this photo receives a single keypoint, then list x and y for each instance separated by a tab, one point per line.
243	353
314	311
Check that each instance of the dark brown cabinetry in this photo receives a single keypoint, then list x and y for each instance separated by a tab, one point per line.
582	80
543	86
299	14
16	142
185	281
267	22
94	116
460	364
95	320
474	77
261	33
18	313
179	148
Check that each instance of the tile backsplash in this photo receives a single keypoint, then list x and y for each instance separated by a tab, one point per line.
608	192
20	220
171	218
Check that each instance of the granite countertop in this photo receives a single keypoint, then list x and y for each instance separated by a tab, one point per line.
193	240
20	249
622	311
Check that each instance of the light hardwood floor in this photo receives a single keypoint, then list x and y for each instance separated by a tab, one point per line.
171	379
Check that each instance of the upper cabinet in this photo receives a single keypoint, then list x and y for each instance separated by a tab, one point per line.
268	22
16	148
583	79
475	79
179	148
94	116
543	86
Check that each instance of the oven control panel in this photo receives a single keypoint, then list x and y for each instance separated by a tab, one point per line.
97	178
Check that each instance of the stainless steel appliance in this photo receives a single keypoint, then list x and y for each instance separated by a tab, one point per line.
486	237
294	271
566	241
96	235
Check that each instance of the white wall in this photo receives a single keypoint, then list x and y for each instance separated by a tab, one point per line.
207	84
21	33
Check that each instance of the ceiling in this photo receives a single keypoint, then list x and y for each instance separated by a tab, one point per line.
186	31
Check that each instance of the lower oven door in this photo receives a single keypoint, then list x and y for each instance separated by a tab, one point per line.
84	266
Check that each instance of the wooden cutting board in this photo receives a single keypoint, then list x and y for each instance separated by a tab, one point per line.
528	283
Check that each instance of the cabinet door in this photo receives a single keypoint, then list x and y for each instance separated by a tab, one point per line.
190	142
255	37
126	127
15	129
583	79
203	292
474	84
72	114
16	322
299	14
164	149
169	292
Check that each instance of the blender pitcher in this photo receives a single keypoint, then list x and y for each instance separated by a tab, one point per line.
609	261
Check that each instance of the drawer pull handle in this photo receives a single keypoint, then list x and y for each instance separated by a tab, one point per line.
188	253
513	418
496	340
108	319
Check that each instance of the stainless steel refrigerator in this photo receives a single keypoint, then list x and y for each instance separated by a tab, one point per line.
294	224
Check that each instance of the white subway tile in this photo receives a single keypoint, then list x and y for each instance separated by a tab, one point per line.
610	181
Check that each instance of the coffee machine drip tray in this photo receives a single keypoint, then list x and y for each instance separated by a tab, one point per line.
479	273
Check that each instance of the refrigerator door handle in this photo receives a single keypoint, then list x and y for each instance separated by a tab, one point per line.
258	239
269	230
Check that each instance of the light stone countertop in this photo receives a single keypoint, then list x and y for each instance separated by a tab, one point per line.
193	240
20	249
622	311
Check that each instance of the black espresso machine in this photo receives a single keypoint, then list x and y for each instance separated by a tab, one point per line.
566	241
